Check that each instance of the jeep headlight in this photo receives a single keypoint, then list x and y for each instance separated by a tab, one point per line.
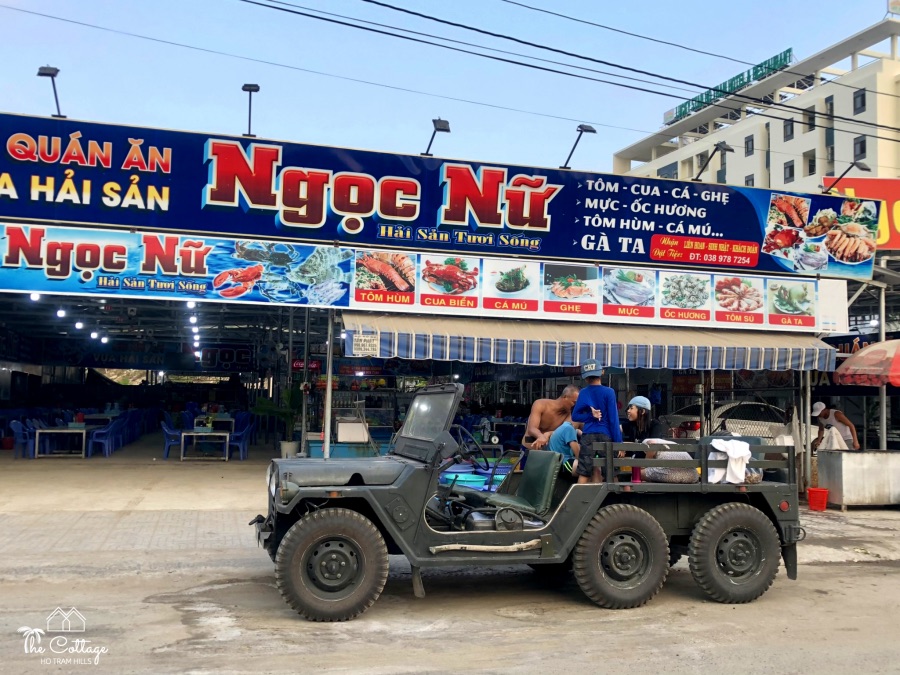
271	479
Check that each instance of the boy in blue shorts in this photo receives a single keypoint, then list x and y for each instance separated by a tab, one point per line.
564	440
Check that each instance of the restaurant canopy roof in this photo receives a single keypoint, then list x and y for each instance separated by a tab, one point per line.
557	343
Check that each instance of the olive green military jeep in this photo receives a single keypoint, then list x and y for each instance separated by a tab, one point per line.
332	523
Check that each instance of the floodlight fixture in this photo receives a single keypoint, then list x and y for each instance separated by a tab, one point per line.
440	125
581	129
250	89
862	166
51	72
721	146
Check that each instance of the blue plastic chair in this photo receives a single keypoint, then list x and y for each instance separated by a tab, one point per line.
168	419
23	441
109	438
172	437
241	440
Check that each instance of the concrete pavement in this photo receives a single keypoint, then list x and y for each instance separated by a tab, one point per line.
137	501
158	557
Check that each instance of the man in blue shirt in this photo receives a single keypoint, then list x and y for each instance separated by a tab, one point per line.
564	440
596	408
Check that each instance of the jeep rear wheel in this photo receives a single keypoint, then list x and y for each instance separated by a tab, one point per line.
331	565
622	559
734	553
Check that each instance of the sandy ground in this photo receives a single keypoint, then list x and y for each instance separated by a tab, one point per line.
159	560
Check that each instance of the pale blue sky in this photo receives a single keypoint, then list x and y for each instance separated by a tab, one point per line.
118	79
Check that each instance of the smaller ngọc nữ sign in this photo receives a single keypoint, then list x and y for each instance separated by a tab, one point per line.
74	261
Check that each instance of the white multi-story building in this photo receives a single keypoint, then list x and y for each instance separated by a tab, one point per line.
857	79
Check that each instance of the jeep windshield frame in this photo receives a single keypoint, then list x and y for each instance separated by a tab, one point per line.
428	419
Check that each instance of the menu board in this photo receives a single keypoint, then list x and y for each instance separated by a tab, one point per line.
468	286
75	261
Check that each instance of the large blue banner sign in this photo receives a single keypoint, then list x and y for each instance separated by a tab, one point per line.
64	171
134	264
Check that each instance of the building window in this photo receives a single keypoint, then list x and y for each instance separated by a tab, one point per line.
749	149
789	172
668	171
811	166
701	158
859	101
859	148
748	180
809	119
788	129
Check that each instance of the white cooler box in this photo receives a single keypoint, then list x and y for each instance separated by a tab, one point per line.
351	430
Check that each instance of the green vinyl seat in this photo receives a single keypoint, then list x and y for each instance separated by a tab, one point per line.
535	490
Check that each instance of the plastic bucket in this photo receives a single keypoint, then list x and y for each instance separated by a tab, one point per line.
818	499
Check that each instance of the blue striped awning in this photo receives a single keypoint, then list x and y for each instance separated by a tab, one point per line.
557	343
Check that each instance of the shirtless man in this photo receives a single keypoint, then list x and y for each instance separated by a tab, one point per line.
546	415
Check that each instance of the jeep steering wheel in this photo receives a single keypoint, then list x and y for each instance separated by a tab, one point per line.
466	450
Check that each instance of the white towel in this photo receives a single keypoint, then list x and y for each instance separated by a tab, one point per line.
738	453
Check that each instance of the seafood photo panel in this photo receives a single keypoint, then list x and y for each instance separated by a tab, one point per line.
133	264
256	189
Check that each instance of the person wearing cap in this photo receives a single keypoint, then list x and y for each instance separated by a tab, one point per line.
830	417
639	425
596	409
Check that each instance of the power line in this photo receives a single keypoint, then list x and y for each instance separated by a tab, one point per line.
680	46
532	66
625	32
382	85
477	46
751	99
345	78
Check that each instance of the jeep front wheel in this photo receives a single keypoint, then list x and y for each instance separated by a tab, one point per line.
622	559
331	565
734	553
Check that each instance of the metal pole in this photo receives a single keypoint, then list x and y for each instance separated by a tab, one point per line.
249	113
572	151
55	97
705	164
807	423
303	418
329	357
427	152
290	350
882	390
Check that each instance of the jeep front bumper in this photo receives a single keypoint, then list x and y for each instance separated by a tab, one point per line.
265	530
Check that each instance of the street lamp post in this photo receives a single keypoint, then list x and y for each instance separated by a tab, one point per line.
582	129
250	89
858	165
51	72
721	146
439	125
